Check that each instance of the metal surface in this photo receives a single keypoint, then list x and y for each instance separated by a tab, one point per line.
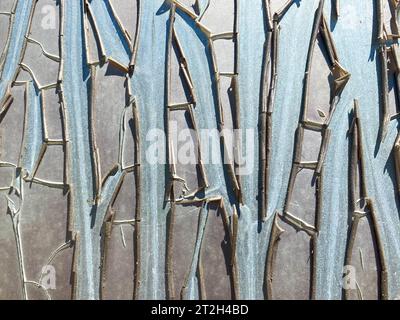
103	188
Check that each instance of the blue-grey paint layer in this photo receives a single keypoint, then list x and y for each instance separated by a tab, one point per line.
253	237
195	45
77	86
147	89
76	89
355	38
202	6
148	84
33	129
354	34
295	32
115	43
16	44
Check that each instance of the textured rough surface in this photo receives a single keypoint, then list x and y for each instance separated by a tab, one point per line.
199	149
